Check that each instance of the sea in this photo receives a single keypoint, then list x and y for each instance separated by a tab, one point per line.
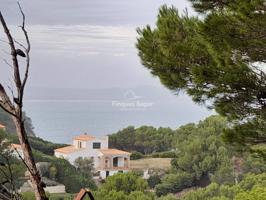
59	114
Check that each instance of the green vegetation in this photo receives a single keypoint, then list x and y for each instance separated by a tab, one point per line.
37	143
63	172
10	167
199	156
135	155
252	187
59	170
145	139
154	180
127	186
202	158
217	59
31	196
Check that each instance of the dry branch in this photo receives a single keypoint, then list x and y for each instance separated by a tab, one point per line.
14	107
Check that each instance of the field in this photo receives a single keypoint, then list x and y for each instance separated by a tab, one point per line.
148	163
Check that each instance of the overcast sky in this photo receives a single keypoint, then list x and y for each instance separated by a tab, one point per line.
84	43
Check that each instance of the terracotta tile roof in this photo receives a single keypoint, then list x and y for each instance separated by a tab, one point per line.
84	137
83	192
2	126
113	152
68	149
15	146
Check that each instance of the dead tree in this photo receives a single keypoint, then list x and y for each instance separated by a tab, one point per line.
13	103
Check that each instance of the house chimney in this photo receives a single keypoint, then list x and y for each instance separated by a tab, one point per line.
107	139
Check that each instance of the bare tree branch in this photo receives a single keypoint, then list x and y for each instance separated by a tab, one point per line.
5	102
13	53
15	109
27	51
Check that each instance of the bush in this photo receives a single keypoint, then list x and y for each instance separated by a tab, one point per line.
137	195
163	189
136	155
154	180
172	183
61	196
126	183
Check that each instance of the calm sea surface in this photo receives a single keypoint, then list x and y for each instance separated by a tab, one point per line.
60	114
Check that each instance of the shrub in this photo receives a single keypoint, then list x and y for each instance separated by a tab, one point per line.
126	183
136	155
154	180
172	183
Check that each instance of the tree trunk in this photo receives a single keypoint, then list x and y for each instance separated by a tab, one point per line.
29	160
14	107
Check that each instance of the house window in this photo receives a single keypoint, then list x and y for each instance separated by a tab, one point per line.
115	161
96	145
120	171
79	144
106	163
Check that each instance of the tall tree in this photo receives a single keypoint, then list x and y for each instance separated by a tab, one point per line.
217	59
13	103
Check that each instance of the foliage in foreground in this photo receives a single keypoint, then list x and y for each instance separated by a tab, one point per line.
252	187
126	186
59	170
202	158
218	59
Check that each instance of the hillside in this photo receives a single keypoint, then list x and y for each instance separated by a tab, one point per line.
6	120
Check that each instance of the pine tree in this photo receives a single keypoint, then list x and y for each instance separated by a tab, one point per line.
218	59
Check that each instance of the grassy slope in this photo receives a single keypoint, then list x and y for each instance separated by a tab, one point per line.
151	163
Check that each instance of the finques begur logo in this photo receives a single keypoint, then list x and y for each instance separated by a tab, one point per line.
132	102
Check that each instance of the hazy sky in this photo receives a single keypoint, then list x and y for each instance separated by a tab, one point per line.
90	44
84	43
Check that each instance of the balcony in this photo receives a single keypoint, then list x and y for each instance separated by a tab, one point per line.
113	168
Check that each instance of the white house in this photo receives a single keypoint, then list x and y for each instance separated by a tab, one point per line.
17	151
3	127
106	161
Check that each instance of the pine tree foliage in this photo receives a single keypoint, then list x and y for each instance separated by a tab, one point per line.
218	59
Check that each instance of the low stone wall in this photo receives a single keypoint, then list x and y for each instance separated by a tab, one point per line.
51	189
55	189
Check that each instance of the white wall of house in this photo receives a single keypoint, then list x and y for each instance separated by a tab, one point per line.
91	152
71	157
111	173
79	144
18	153
89	144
